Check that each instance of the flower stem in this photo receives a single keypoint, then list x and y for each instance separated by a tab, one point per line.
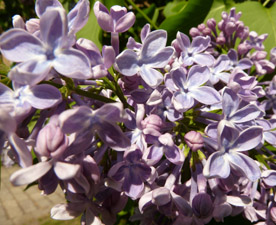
143	14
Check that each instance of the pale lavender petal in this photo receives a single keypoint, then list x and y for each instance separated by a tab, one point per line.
53	26
78	16
269	178
125	22
248	139
67	211
174	154
44	96
245	164
182	101
241	200
221	64
144	201
112	135
30	174
65	171
18	22
270	137
18	45
151	76
183	41
245	64
161	196
200	43
217	165
197	76
30	72
247	113
133	185
41	6
204	59
205	95
144	32
73	63
24	155
161	59
179	78
111	111
154	42
182	205
127	63
104	19
76	119
153	154
108	56
230	102
7	122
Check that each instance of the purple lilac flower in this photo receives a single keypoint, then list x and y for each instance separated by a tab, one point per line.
218	70
38	57
20	101
243	63
193	52
230	147
100	62
116	21
256	41
245	86
188	88
153	54
82	120
132	172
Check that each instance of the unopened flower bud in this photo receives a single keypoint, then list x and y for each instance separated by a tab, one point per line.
18	22
221	39
207	31
211	23
201	27
194	140
51	141
243	48
202	205
194	32
230	28
152	121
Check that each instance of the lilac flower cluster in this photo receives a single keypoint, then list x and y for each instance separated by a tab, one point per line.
183	131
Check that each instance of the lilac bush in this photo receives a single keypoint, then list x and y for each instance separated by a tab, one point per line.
178	134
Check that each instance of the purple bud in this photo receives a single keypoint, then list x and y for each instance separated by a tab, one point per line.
194	32
221	39
230	28
243	48
152	121
202	205
207	31
201	27
194	140
211	23
273	55
51	141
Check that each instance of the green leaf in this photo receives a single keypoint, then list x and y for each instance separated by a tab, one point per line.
109	3
260	19
173	8
193	14
91	30
217	8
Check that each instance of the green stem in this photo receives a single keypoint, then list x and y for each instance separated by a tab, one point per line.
142	13
83	93
265	3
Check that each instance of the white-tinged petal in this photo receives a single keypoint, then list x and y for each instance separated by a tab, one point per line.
65	171
151	76
127	63
30	174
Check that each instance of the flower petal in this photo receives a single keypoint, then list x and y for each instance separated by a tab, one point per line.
30	174
73	63
127	63
18	45
65	171
151	76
